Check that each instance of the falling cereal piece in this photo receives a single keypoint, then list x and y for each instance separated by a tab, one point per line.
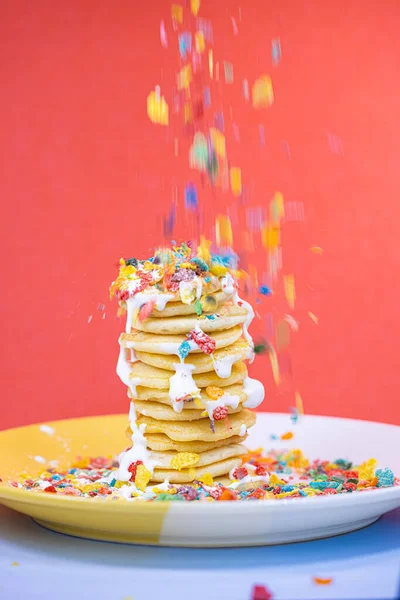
90	319
218	141
157	108
323	580
223	231
262	92
199	42
276	207
176	146
185	44
276	51
316	250
290	292
211	63
191	201
195	6
282	335
274	364
101	306
228	72
292	322
205	26
235	175
206	97
313	317
184	77
219	121
265	290
234	26
198	153
261	134
245	88
15	564
270	237
177	13
163	35
299	403
287	436
187	113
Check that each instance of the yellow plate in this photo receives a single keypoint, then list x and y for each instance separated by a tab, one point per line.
200	524
103	519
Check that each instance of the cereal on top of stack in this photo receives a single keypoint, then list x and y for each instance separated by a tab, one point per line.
182	358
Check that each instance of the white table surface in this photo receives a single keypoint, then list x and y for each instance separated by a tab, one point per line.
363	564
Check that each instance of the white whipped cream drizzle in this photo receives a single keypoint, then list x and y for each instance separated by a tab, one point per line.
135	302
225	400
139	450
228	286
124	371
254	391
181	384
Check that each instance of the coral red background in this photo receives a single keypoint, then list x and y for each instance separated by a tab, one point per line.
86	178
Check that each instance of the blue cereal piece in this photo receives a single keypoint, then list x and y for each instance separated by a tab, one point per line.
385	477
200	263
184	349
265	290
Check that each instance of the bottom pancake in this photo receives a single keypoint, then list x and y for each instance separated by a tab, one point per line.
205	458
187	475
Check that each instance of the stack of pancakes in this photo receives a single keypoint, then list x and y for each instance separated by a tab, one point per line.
152	350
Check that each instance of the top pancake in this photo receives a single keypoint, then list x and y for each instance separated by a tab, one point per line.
209	303
228	316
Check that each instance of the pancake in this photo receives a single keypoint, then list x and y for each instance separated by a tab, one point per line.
203	363
205	458
200	430
169	344
154	378
162	443
209	303
162	412
162	396
187	475
228	317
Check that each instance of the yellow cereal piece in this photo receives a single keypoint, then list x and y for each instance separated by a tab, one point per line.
313	317
235	176
274	480
198	402
276	207
184	77
223	231
184	459
262	92
366	470
290	291
82	463
207	479
177	13
195	6
157	108
203	250
118	484
188	265
142	478
214	392
211	63
274	365
199	42
295	458
270	236
218	270
218	140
